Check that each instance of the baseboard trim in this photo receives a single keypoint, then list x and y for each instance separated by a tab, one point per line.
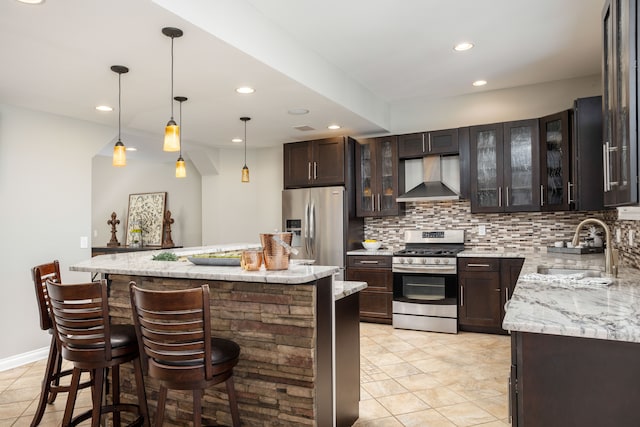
23	358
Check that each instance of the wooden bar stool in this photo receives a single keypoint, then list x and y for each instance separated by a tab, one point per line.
53	374
174	331
80	314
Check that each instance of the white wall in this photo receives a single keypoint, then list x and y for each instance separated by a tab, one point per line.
45	196
237	212
110	193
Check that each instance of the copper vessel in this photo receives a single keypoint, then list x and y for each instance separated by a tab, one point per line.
276	256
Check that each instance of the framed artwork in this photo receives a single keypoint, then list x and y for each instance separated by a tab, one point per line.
145	219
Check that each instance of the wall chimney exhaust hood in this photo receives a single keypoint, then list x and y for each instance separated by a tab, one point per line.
431	178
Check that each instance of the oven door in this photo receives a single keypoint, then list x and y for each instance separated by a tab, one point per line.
424	288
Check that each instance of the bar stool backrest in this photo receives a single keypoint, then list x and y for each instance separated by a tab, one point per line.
40	274
81	320
174	332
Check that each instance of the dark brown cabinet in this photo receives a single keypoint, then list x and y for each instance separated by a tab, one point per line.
554	162
620	101
377	179
586	192
485	285
504	167
421	144
559	381
376	299
320	162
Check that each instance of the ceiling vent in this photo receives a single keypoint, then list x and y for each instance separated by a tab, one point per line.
303	128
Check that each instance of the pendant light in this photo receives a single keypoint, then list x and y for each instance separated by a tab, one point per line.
172	130
181	169
245	169
119	153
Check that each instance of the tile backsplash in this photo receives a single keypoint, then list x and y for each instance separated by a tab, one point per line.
505	232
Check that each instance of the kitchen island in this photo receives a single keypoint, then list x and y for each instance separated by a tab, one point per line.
575	346
284	322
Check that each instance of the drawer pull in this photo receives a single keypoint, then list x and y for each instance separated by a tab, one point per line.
479	265
369	262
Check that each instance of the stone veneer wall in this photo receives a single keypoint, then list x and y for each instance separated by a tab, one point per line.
275	327
522	231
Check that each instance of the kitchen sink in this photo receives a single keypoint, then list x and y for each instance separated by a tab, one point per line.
552	271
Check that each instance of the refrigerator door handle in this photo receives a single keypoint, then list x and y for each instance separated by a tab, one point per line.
312	230
306	227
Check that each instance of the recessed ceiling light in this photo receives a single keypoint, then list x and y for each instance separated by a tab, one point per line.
104	108
461	47
298	111
31	1
480	83
245	89
236	140
333	127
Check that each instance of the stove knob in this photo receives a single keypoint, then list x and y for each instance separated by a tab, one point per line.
437	261
409	260
423	260
445	261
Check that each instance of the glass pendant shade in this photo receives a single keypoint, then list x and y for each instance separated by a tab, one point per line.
171	136
119	154
181	169
245	174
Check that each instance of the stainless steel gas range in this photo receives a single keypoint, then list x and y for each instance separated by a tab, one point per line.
425	288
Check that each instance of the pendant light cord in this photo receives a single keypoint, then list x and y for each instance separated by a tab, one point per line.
180	155
245	143
119	102
172	78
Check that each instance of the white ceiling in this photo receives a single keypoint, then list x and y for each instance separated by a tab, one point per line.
348	61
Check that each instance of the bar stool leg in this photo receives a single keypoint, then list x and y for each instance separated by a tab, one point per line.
71	397
197	407
115	394
142	394
233	403
162	400
46	384
98	386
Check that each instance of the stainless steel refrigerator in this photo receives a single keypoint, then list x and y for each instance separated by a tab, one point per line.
323	223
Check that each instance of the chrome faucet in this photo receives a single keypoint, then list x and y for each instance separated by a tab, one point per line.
610	254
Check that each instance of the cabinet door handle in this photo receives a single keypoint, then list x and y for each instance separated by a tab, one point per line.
461	296
429	142
541	195
315	170
423	143
605	160
479	265
499	197
379	205
373	202
569	198
506	196
368	262
309	170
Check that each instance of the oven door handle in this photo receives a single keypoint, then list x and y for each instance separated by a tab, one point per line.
424	269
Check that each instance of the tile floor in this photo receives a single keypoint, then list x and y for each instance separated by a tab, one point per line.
408	378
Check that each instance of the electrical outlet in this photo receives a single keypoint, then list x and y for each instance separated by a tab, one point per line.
482	230
618	236
631	236
95	233
84	242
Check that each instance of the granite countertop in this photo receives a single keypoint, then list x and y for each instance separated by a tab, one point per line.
343	289
589	311
141	264
379	252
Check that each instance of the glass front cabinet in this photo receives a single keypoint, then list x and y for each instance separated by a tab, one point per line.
504	165
555	185
619	73
377	177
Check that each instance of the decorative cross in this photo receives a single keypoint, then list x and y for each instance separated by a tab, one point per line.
167	242
113	222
